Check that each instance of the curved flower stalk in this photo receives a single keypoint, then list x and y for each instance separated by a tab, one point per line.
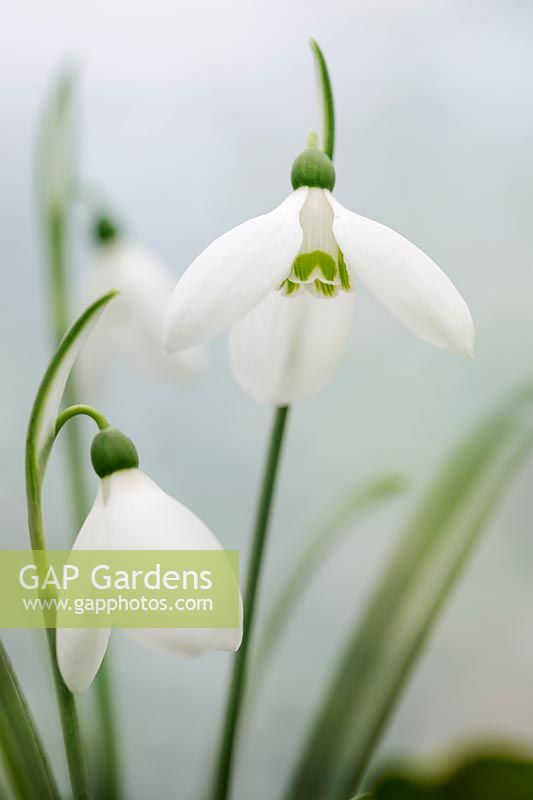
284	283
132	513
131	327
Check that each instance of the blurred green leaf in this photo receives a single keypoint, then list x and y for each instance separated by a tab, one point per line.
384	646
55	167
55	152
25	760
487	777
359	501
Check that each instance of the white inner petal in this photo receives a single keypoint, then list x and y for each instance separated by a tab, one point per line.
319	266
316	219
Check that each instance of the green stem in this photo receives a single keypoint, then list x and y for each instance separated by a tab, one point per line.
71	728
67	706
328	106
88	411
222	776
108	781
108	786
66	702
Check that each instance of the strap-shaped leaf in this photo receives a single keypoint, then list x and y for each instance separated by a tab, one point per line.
23	754
338	523
386	643
48	400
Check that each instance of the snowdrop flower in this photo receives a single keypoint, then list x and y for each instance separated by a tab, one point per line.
284	283
132	513
131	326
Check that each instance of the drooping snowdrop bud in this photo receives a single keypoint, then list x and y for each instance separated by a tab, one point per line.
284	282
132	327
132	513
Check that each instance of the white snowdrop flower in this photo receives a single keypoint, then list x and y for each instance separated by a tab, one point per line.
131	326
284	282
132	513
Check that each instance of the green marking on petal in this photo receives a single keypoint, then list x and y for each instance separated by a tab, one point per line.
288	287
320	274
343	273
325	289
306	263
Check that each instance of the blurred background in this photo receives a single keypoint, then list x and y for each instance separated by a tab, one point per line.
191	114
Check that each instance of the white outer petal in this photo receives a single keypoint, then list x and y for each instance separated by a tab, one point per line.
80	651
287	347
233	274
141	516
405	280
132	324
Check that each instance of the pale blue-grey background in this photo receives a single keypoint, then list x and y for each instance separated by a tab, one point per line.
191	115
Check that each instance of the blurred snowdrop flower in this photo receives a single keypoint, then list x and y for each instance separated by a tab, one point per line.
132	325
284	283
132	513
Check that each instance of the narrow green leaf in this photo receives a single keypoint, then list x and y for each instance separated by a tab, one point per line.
384	646
338	523
25	760
45	409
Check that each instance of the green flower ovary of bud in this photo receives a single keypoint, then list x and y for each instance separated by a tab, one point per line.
112	451
313	168
105	230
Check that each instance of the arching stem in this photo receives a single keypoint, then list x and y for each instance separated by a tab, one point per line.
67	706
73	411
